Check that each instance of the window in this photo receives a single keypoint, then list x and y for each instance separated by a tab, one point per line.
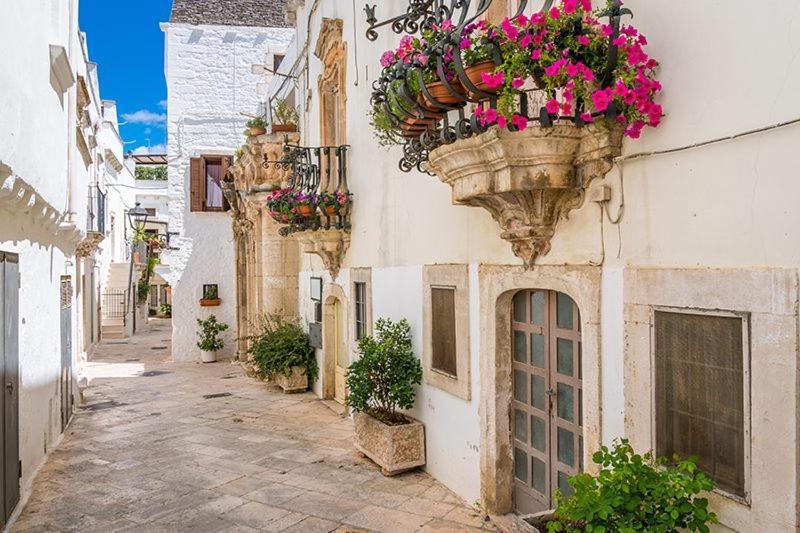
151	211
701	363
316	298
361	296
445	317
277	59
360	290
443	330
206	176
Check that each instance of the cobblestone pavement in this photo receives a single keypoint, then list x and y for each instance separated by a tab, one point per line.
163	446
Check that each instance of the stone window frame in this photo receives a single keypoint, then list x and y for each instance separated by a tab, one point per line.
746	384
457	277
770	296
361	275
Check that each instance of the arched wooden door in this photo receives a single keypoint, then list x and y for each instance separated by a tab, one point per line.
546	410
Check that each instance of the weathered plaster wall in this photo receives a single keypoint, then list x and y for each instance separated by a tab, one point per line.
730	205
210	84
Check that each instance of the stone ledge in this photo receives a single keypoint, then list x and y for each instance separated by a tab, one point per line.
527	180
330	245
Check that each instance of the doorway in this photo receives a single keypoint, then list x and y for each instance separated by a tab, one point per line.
66	351
9	365
340	353
546	407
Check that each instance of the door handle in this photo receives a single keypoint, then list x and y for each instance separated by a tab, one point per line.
10	387
550	392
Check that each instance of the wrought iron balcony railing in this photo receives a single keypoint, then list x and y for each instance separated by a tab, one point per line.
317	190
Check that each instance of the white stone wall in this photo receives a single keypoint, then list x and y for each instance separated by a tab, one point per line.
730	205
210	84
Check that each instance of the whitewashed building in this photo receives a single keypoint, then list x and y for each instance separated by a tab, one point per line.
60	208
683	251
211	49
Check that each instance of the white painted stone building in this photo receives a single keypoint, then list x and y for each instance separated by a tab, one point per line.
211	47
701	241
60	168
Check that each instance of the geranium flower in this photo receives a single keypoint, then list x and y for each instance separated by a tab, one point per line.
587	117
493	81
388	59
555	14
509	29
518	82
501	121
552	106
519	122
582	39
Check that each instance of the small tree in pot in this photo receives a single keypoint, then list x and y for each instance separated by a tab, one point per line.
283	352
380	384
210	343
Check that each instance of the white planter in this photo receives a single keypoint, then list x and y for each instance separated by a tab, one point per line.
208	357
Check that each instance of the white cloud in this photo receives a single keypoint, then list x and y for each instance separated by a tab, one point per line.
162	104
144	116
155	149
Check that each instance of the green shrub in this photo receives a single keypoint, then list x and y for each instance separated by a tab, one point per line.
382	380
635	493
257	122
209	332
281	345
151	173
166	309
142	290
283	113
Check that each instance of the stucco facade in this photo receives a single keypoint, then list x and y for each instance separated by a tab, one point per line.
710	229
211	88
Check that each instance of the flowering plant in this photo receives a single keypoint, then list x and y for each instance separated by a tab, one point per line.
281	206
337	200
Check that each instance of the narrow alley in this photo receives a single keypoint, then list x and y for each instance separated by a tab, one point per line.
163	446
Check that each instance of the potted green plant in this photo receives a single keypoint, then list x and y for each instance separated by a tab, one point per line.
283	352
166	310
284	117
210	296
381	383
209	342
256	126
334	203
630	493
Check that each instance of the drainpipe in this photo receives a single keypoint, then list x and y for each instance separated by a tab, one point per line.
71	95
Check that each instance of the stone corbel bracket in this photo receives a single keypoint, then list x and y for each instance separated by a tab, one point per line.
527	180
330	245
20	198
89	244
250	170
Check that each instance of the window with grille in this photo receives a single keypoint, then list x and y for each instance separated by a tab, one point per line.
443	330
206	176
701	373
360	289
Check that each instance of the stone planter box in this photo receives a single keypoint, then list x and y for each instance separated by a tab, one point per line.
531	523
296	382
395	449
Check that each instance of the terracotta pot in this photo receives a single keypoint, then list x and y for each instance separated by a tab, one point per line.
210	302
330	210
442	95
257	130
305	210
284	128
475	75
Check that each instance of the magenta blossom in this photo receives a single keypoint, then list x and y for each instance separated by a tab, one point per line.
493	81
601	98
555	14
552	106
501	121
388	59
518	82
582	39
510	30
519	122
587	117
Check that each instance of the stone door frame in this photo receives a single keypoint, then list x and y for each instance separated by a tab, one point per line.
330	294
497	286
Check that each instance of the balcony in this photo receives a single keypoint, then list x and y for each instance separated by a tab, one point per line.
95	222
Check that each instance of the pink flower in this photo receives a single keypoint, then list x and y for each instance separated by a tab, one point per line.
607	31
423	59
490	116
630	31
569	6
601	98
510	30
465	43
387	59
642	40
493	81
501	121
517	82
526	40
519	122
619	41
654	115
536	54
447	25
634	131
587	117
566	108
555	13
552	106
572	70
582	39
586	5
620	89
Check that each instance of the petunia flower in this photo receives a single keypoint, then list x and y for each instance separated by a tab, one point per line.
465	43
555	14
587	117
493	81
519	122
601	98
509	29
517	82
582	39
552	106
536	54
502	121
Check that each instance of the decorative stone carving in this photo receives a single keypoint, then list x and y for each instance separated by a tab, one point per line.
256	168
527	180
330	245
89	244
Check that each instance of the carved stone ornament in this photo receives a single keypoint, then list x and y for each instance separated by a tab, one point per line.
527	180
330	245
89	244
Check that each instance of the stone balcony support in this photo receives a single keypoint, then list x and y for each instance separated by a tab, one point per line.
527	180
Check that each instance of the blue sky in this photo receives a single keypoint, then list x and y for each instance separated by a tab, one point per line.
128	46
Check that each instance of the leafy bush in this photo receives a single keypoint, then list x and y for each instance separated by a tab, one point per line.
142	290
151	173
382	380
635	493
209	332
283	113
166	309
281	345
257	122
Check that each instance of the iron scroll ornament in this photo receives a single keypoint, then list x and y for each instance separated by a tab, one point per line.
393	96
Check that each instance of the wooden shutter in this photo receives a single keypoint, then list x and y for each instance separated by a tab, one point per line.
196	184
227	161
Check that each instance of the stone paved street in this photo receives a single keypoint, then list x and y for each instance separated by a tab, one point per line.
161	446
